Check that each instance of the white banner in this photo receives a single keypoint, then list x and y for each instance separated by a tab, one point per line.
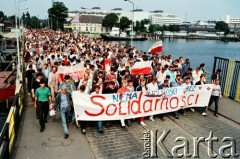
70	69
137	104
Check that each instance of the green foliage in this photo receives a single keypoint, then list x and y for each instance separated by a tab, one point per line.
124	23
173	28
165	28
26	20
137	26
30	22
1	16
154	27
222	26
110	20
34	22
140	26
57	15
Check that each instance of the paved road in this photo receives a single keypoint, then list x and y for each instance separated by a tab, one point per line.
117	143
32	144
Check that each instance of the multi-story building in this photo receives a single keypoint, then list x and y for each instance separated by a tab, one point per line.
155	17
232	22
86	23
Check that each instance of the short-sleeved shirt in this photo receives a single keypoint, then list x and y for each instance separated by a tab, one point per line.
43	94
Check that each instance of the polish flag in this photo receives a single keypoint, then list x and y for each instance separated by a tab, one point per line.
70	70
155	48
106	64
141	67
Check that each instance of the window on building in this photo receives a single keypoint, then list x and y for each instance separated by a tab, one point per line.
86	28
74	28
95	29
79	28
90	28
101	29
106	29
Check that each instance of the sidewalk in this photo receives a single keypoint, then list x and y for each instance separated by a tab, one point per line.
228	108
50	144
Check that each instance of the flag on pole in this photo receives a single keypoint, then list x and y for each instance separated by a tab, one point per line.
155	48
142	67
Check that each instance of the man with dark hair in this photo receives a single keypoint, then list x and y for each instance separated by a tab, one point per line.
96	92
68	84
189	70
29	76
202	82
202	65
100	69
216	75
42	100
35	83
185	66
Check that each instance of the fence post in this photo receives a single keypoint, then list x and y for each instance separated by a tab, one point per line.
214	65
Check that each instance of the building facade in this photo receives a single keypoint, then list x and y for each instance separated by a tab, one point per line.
89	20
86	23
232	22
165	19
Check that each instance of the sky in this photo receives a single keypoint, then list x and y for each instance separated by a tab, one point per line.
190	10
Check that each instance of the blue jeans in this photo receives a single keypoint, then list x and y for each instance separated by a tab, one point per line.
100	127
214	99
64	114
203	109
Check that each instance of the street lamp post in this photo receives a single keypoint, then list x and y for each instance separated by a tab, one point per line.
21	20
132	21
19	74
17	39
19	9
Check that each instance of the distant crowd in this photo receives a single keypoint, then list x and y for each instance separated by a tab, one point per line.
46	50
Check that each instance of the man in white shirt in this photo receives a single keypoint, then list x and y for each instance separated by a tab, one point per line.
153	86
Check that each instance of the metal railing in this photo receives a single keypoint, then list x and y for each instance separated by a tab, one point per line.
11	126
229	77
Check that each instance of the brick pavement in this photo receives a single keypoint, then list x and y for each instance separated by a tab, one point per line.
117	143
197	125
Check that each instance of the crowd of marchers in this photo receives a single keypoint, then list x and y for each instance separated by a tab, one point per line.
46	50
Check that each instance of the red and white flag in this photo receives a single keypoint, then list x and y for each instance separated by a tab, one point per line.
141	67
155	48
70	70
107	64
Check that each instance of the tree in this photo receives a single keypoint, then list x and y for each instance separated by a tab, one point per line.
222	26
1	16
154	27
110	20
34	22
165	28
124	23
137	26
57	15
174	28
26	19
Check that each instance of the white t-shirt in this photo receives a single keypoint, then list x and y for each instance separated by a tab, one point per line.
152	87
216	90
